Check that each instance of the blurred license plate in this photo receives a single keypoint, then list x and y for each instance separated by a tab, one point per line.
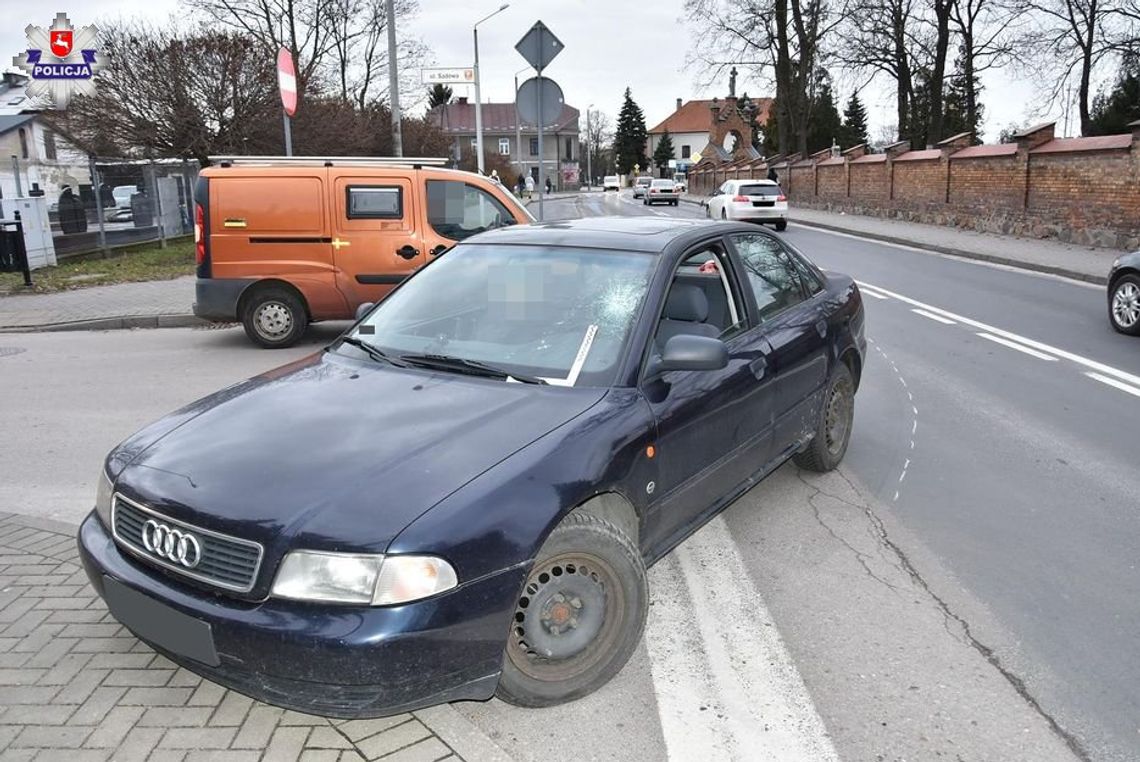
156	622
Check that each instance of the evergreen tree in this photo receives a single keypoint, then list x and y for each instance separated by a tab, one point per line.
439	95
854	131
825	126
663	154
956	118
748	109
629	139
772	133
1113	110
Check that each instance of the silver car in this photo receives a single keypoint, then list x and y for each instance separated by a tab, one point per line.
641	186
662	192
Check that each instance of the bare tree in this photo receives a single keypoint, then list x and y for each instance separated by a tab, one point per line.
783	39
986	39
178	93
1071	38
880	40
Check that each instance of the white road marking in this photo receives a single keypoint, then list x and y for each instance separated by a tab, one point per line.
932	316
726	686
1099	367
914	411
1015	345
1133	390
956	258
873	294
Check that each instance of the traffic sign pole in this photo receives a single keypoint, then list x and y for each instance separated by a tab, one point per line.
288	134
539	47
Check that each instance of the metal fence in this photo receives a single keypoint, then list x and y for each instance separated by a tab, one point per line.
128	201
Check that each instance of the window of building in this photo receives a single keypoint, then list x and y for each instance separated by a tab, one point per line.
504	146
49	144
686	152
383	202
534	146
457	210
475	143
569	149
23	143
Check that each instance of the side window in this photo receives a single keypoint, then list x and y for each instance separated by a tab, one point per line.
457	210
375	202
774	278
706	270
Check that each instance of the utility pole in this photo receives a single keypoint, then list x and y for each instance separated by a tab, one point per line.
394	82
589	149
478	76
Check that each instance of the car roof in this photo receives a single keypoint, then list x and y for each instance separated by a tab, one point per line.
764	181
641	234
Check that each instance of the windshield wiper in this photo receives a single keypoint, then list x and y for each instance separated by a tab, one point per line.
372	351
472	367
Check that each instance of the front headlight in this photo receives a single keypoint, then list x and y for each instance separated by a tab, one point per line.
103	494
373	580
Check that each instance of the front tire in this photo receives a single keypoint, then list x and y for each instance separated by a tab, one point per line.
723	214
579	617
781	225
1124	305
274	317
833	430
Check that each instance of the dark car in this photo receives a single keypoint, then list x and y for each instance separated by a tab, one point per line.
1124	294
460	496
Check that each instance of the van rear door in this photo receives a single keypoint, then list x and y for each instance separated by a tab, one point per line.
375	243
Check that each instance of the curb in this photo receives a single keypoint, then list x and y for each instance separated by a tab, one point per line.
458	732
111	324
1099	280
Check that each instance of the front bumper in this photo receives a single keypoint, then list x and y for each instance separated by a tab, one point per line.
339	661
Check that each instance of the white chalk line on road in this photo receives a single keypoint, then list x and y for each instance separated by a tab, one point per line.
1098	367
726	687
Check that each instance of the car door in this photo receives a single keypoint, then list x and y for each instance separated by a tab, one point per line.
375	243
713	427
455	210
795	325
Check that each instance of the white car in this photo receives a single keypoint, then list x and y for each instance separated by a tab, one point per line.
751	200
611	182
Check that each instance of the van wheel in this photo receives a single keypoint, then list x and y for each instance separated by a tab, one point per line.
274	318
579	616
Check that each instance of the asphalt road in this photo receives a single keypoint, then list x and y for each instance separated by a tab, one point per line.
963	588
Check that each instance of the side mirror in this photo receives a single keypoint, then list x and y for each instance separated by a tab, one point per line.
689	353
364	309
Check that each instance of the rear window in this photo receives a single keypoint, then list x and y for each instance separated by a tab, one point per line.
760	190
644	180
662	183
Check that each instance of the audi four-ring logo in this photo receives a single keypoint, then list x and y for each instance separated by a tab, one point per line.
171	544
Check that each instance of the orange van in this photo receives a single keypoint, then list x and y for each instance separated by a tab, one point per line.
282	242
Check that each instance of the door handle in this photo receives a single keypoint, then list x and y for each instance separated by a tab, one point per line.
438	250
759	367
821	328
408	251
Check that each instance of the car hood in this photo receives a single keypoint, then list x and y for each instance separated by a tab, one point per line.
333	454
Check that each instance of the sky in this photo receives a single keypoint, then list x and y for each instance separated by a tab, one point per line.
609	45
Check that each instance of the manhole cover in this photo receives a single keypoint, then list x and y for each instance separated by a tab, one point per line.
9	351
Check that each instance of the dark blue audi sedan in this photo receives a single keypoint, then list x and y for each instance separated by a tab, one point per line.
459	498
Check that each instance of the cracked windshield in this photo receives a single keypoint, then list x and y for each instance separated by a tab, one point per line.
504	380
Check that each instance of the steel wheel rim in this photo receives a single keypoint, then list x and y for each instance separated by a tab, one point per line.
1126	305
837	418
273	320
533	603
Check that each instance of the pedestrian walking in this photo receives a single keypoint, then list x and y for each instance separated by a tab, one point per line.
772	175
549	185
529	186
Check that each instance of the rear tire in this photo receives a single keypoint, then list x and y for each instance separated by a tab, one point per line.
833	430
274	317
579	617
782	225
1124	305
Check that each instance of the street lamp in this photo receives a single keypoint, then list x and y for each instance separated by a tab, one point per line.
518	121
589	149
478	100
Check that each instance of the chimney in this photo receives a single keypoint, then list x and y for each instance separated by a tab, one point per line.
463	100
1135	127
678	104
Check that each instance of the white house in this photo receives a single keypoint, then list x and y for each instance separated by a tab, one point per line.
690	127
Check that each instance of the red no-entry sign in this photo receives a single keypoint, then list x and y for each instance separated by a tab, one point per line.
287	81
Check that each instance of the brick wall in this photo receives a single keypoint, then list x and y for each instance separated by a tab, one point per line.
1081	190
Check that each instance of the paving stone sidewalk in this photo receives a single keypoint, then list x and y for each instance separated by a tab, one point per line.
144	301
75	685
1081	262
